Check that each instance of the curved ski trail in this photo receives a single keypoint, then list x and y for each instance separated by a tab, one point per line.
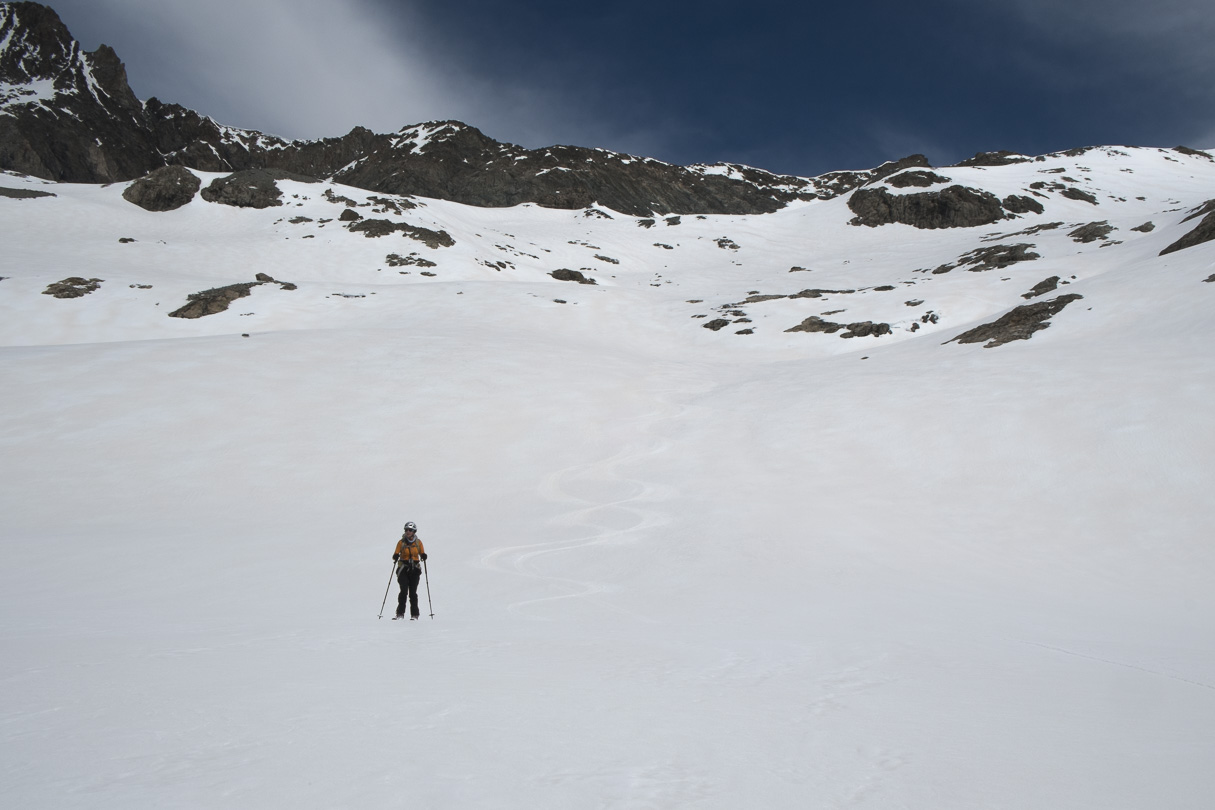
609	521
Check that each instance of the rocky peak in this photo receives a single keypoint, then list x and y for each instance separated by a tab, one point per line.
34	44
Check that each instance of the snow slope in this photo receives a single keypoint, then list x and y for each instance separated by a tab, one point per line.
670	566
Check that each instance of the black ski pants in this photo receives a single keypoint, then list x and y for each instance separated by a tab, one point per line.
408	578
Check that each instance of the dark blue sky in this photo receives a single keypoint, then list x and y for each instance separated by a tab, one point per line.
802	88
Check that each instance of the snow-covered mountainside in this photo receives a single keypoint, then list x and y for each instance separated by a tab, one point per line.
918	256
896	495
785	510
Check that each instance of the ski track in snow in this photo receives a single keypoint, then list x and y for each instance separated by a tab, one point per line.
1123	664
618	521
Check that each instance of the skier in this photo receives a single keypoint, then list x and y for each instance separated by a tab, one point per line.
408	556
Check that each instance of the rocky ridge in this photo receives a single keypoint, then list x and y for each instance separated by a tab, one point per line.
70	115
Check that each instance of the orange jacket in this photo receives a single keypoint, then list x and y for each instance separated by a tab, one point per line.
410	551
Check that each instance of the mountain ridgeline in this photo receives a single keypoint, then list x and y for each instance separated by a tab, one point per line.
70	115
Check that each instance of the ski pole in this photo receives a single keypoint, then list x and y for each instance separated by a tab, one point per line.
428	602
386	590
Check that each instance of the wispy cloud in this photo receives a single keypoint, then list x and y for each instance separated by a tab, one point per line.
317	68
1165	36
298	68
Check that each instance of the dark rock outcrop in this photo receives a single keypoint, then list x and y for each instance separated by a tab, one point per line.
565	274
997	257
1205	231
1091	232
1043	287
998	158
1185	150
895	166
1018	324
918	179
866	329
412	260
217	299
1020	204
213	301
164	189
818	293
953	207
1207	207
23	193
251	188
1076	194
73	287
372	228
851	330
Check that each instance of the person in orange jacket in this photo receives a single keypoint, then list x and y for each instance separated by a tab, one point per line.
408	556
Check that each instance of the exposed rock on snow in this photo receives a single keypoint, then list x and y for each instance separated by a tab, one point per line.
919	179
73	287
164	189
1018	324
1043	287
217	299
23	193
994	257
395	205
852	330
1091	232
998	158
213	301
1076	194
1185	150
887	169
1020	204
1205	231
817	293
1046	226
251	188
565	274
1146	227
997	257
339	198
953	207
372	228
412	260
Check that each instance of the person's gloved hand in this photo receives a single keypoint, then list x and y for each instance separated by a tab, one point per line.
423	555
396	557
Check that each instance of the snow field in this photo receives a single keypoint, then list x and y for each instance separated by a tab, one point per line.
669	567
